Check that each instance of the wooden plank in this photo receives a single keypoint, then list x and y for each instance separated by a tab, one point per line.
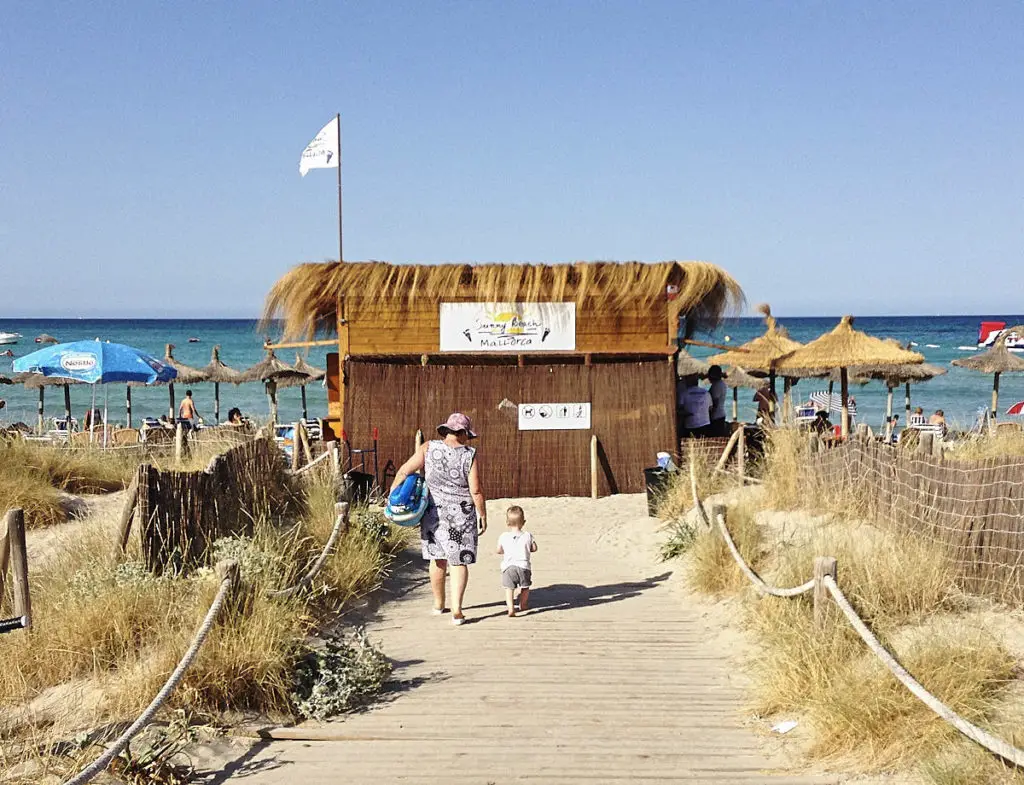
128	511
15	520
5	555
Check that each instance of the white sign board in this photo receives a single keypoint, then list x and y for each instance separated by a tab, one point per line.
508	327
554	416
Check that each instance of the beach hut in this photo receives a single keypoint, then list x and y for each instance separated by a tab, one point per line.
542	357
219	373
760	354
996	361
844	347
272	372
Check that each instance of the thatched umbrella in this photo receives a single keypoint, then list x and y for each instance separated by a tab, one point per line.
761	353
894	377
844	347
688	365
46	338
271	371
996	361
736	378
186	375
39	382
310	374
219	373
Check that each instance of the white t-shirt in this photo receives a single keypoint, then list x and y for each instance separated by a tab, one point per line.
696	404
515	546
719	392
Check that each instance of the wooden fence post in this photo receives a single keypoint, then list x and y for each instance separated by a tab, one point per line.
296	448
341	510
924	444
128	512
593	466
304	437
5	555
727	451
716	510
823	566
19	565
741	453
179	442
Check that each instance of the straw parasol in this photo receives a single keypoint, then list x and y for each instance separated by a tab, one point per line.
219	373
894	377
186	375
761	353
46	338
311	374
36	381
271	371
688	365
996	361
844	347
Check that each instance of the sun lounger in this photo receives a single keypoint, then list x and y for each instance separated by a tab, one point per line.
124	437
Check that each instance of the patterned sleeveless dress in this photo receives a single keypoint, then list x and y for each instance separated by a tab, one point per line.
448	528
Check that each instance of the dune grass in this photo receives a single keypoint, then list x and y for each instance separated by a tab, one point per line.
905	587
104	621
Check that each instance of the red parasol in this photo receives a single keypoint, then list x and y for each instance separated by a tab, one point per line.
1017	408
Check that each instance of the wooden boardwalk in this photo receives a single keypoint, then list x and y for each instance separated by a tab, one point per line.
611	678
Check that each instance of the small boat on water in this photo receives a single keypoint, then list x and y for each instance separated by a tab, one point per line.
193	340
8	338
990	332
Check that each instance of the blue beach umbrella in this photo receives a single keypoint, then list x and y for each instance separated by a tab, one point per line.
95	362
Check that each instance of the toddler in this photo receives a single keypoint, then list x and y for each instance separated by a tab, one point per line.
515	547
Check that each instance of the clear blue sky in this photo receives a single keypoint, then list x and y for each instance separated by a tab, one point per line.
860	157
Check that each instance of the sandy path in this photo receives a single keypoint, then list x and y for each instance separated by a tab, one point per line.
611	678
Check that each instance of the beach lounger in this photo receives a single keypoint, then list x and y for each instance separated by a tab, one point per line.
124	437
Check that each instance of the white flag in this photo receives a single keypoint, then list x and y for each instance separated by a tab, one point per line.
322	152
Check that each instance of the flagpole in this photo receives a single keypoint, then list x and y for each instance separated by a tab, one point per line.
340	254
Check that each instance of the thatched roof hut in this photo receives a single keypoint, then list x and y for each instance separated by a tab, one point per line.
996	361
306	298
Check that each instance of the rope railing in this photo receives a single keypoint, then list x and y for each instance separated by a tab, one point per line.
341	510
824	585
228	573
315	462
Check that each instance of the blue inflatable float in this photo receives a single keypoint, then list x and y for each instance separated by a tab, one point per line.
408	501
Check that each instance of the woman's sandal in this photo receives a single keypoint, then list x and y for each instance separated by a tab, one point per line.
438	611
457	620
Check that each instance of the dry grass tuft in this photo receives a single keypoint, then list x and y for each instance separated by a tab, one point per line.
1001	444
712	568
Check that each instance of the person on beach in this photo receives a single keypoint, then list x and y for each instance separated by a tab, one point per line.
765	399
235	418
695	407
719	392
456	514
939	418
515	547
187	411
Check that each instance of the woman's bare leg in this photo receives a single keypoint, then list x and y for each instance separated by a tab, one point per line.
438	568
460	577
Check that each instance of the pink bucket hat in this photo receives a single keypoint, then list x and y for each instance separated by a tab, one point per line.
457	422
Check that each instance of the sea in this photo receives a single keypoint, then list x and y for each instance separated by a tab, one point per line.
941	339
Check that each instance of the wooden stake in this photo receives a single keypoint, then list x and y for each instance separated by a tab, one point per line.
335	457
128	513
995	396
304	436
19	565
844	392
728	449
296	447
593	466
5	555
179	442
741	453
823	566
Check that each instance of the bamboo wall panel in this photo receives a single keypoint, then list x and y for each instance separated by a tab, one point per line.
632	416
381	327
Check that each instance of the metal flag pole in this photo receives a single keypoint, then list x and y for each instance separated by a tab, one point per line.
341	256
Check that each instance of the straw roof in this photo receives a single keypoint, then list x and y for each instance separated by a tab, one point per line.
899	374
46	338
843	347
216	371
737	377
34	381
687	364
315	374
306	296
761	352
186	373
998	359
270	368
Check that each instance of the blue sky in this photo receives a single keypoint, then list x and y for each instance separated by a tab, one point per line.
858	157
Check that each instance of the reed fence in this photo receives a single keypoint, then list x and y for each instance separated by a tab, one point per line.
181	514
974	509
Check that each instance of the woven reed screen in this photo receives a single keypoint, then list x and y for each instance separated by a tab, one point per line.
632	414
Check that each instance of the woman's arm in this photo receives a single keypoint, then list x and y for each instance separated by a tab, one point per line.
411	466
477	492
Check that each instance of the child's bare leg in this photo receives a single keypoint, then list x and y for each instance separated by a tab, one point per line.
510	601
524	598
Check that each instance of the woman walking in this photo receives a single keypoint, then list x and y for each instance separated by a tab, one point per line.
456	515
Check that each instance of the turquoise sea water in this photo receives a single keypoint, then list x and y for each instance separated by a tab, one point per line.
960	393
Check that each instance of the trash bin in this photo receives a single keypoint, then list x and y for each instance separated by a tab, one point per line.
657	480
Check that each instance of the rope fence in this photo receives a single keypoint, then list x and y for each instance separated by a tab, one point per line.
228	573
341	510
825	586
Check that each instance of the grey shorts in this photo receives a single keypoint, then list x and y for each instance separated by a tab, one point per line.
516	578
